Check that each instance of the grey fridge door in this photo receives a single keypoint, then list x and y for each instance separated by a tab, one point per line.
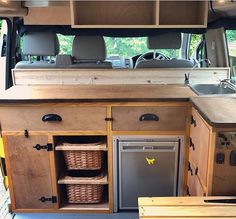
146	170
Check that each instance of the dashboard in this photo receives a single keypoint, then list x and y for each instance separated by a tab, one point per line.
120	62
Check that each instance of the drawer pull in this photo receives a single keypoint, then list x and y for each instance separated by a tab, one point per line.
196	171
191	144
51	118
148	117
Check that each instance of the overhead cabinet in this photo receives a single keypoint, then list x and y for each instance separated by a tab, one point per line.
139	14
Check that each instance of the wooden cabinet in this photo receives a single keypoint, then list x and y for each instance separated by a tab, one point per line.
30	172
139	14
210	168
157	118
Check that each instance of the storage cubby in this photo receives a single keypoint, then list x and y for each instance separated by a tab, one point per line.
113	13
139	14
183	13
82	172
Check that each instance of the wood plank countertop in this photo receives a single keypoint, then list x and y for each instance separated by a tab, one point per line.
185	207
219	112
97	93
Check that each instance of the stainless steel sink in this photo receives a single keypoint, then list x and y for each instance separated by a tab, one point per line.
211	89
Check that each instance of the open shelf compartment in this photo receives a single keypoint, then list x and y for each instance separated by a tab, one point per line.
112	13
183	13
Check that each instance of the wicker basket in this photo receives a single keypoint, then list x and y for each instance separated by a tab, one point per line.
84	194
83	160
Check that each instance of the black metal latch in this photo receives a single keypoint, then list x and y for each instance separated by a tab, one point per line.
109	119
52	199
47	147
193	121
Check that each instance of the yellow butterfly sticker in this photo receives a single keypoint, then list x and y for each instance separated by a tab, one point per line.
150	161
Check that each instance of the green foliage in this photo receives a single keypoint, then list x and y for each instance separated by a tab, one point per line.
231	35
65	44
195	40
127	47
231	39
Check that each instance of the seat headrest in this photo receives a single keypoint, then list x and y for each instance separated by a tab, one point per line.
91	48
40	44
165	41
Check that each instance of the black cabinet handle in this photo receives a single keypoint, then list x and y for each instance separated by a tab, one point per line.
148	117
51	118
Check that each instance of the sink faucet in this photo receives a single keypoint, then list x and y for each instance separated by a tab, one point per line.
228	83
187	76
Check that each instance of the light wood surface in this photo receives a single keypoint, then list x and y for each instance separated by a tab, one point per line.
73	118
184	207
53	15
127	118
98	180
96	93
29	171
117	76
102	146
218	111
200	135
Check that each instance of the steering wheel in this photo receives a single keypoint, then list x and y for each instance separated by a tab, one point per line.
149	56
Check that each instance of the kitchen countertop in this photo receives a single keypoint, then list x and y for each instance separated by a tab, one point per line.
96	93
217	111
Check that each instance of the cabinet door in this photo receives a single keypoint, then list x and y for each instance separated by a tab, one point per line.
199	146
194	185
30	171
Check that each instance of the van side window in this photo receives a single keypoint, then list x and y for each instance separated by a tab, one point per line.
231	41
3	53
197	47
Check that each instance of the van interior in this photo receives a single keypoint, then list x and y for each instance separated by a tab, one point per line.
117	109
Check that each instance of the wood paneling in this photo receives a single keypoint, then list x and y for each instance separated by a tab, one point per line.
117	76
53	15
73	118
29	171
170	118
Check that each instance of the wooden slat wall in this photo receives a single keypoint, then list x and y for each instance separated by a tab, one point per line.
113	76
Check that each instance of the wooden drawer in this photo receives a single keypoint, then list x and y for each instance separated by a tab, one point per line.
74	118
169	118
199	145
194	185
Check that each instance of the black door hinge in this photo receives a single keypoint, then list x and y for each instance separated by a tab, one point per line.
26	133
191	144
47	147
52	199
193	121
109	119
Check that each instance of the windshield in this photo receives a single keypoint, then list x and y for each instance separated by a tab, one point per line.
132	46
